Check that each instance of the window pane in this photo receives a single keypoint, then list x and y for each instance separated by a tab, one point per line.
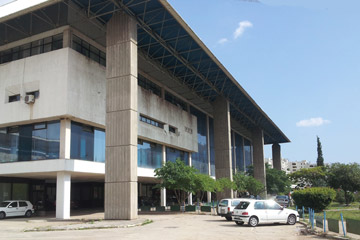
5	190
200	158
82	142
239	152
149	154
99	146
248	152
212	147
20	191
173	154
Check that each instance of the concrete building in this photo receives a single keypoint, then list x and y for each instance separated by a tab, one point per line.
72	70
298	165
284	164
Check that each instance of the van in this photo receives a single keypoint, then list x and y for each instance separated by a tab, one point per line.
226	207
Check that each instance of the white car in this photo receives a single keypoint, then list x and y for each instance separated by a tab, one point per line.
12	208
226	207
255	212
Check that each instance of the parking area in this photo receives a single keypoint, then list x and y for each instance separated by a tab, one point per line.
164	226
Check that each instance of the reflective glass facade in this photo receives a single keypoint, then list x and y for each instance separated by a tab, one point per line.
149	154
200	159
173	154
30	142
87	143
239	152
212	147
248	152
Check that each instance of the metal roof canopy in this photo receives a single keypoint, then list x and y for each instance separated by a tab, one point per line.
165	38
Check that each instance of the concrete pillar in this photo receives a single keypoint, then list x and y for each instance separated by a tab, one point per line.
121	118
258	157
67	39
65	138
208	197
276	155
222	136
63	191
190	201
163	190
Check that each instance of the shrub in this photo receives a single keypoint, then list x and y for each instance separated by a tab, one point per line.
340	196
317	198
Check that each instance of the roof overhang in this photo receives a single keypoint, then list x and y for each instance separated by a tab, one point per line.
165	38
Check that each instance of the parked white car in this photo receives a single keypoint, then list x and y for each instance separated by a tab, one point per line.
12	208
226	207
256	212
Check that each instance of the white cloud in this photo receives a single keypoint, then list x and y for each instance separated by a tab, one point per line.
241	28
223	40
312	122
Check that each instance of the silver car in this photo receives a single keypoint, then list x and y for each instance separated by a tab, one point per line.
12	208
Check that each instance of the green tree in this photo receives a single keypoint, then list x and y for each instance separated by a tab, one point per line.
240	182
254	186
320	159
315	177
277	182
178	177
345	177
203	183
223	183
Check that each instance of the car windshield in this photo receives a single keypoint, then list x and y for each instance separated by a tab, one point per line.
281	197
223	203
242	205
4	204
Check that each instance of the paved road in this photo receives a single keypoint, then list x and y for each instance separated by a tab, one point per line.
172	227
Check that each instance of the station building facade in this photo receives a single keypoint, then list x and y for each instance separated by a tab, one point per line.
95	95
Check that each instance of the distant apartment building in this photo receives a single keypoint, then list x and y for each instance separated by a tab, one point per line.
284	164
298	165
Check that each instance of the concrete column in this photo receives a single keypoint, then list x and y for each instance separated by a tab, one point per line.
67	39
63	191
65	138
276	155
190	201
163	190
222	136
208	197
121	118
258	157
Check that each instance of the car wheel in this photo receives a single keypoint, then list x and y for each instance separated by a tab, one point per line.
291	219
228	218
2	215
239	223
28	214
253	221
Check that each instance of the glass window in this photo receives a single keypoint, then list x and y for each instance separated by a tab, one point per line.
9	144
14	98
235	202
242	205
5	191
99	145
259	205
88	50
35	93
82	142
149	154
239	150
212	147
271	205
176	101
248	152
30	49
173	154
46	141
223	203
172	129
200	158
148	85
147	120
23	204
13	204
20	191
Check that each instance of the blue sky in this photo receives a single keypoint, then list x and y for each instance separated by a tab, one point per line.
298	59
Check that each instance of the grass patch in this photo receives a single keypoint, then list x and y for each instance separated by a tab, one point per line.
147	221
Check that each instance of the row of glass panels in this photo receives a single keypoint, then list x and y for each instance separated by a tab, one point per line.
42	141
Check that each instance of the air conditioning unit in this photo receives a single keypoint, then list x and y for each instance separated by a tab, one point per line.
29	99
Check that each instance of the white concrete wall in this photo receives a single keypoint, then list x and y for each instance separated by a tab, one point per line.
152	106
70	85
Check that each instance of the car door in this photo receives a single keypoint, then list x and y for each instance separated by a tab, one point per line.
22	208
260	211
275	212
12	209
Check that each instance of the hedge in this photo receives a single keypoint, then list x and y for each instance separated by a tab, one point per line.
317	198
